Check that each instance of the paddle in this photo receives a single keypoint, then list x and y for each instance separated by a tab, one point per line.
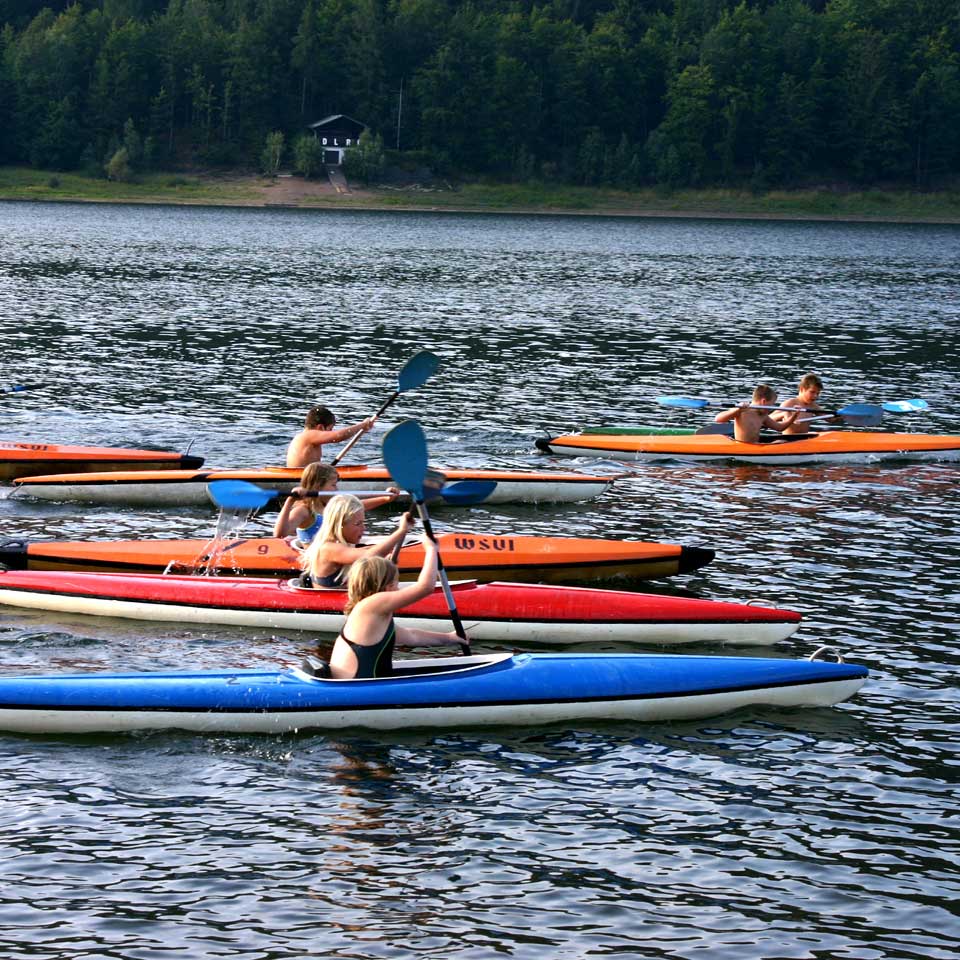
242	495
906	406
433	484
17	387
405	454
414	373
727	429
858	414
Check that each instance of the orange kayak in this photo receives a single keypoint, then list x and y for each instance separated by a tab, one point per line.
177	488
470	556
37	459
829	446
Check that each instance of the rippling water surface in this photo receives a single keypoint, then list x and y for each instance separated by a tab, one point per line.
766	834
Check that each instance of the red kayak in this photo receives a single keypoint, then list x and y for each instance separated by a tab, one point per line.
501	612
39	459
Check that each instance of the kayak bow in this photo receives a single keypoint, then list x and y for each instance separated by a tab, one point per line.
36	459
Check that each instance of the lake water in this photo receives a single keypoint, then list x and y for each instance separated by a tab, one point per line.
764	834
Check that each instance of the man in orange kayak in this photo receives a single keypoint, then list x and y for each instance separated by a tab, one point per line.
307	446
748	421
811	386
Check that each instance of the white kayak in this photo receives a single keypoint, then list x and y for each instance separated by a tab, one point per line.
182	488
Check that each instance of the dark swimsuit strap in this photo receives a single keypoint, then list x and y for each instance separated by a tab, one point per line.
376	659
331	580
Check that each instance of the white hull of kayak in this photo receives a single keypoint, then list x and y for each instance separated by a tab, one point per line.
191	493
641	710
180	493
495	631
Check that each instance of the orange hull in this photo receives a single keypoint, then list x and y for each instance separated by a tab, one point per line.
37	459
465	555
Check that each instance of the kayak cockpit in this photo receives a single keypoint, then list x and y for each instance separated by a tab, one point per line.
313	668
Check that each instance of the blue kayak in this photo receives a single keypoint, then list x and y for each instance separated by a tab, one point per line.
504	689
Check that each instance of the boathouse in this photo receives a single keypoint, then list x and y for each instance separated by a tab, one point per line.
337	133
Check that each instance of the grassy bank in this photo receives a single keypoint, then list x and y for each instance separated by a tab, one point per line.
248	190
21	183
799	204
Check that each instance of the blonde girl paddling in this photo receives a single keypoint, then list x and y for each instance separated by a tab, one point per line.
328	558
364	648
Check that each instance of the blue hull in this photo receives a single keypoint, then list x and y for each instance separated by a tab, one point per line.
505	689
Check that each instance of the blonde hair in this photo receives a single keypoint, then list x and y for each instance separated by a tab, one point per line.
762	393
316	476
369	575
811	380
338	511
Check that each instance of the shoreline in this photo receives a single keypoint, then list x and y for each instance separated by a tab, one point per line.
287	192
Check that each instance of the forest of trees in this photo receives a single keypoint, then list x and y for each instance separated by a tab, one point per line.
616	92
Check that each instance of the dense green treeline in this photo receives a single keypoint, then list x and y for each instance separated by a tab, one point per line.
622	92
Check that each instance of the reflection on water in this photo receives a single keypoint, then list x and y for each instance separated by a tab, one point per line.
766	834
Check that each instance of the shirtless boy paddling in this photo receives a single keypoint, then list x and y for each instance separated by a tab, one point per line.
808	393
748	421
307	446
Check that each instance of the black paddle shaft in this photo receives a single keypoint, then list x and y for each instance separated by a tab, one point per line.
454	613
359	433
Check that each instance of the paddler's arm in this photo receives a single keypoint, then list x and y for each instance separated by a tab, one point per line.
286	525
725	416
411	637
320	438
371	503
389	601
781	425
425	584
384	547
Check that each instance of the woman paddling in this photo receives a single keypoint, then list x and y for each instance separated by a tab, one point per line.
328	558
302	512
364	648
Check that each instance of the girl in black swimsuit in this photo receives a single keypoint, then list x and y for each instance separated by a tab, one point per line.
364	648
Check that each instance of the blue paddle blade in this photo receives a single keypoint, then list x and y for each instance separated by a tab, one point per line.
417	371
861	410
405	454
694	403
238	495
905	406
463	493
